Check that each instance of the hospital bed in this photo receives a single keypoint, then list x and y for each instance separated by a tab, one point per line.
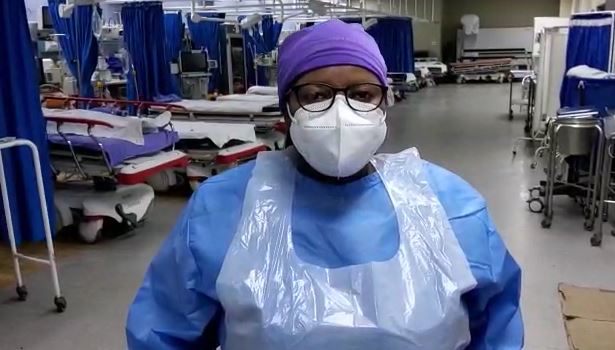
101	163
260	110
211	146
220	134
263	90
215	147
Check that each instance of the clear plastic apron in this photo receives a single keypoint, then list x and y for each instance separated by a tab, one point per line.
273	300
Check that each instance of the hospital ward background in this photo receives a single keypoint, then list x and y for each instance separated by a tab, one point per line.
114	112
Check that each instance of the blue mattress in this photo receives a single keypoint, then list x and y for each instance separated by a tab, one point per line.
118	150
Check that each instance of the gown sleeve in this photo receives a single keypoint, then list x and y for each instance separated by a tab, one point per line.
166	318
177	306
493	305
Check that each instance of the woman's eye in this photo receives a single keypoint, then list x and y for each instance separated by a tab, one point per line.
314	97
363	96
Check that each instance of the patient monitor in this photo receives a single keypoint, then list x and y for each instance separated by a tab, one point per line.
194	68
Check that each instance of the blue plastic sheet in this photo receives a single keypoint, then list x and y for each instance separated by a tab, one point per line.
78	44
20	116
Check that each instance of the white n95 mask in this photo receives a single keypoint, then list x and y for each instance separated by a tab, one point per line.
340	141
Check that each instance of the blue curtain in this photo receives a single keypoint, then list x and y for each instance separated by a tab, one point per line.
144	38
589	43
206	36
174	34
260	40
396	41
79	46
20	116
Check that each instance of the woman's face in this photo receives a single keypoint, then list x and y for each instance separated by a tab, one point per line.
336	76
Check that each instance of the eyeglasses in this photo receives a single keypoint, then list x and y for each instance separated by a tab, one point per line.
364	97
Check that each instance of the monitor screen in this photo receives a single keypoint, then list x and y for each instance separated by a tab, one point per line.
46	18
193	62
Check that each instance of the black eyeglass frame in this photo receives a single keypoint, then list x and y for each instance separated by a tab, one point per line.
295	90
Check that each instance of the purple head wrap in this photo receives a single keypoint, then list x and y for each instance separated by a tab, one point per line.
332	43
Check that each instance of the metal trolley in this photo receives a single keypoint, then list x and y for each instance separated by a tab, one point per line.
22	292
607	187
578	134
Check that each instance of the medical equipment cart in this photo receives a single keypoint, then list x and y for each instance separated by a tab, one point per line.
525	96
22	292
570	134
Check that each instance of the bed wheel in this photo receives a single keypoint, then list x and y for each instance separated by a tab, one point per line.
60	303
162	181
91	231
22	293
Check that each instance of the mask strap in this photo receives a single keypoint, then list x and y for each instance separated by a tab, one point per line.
290	115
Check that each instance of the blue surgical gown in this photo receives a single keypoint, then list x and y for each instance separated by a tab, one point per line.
333	226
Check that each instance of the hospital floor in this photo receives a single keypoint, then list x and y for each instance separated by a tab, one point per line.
463	128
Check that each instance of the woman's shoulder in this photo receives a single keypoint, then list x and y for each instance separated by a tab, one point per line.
457	196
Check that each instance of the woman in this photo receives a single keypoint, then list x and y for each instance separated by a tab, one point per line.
325	245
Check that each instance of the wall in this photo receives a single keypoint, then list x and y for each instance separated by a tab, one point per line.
493	14
427	31
32	8
427	37
567	7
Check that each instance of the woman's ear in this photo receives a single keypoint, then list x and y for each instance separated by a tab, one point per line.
288	142
390	98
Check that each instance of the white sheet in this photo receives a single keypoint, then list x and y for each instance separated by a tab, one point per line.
128	128
125	128
223	107
263	90
155	123
587	72
268	99
218	133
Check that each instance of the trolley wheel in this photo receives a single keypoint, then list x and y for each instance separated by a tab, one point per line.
533	166
60	303
22	293
91	231
587	213
511	114
527	129
588	225
160	182
595	241
536	205
546	223
535	192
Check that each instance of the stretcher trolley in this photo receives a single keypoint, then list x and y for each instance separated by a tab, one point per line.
22	292
102	162
218	135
